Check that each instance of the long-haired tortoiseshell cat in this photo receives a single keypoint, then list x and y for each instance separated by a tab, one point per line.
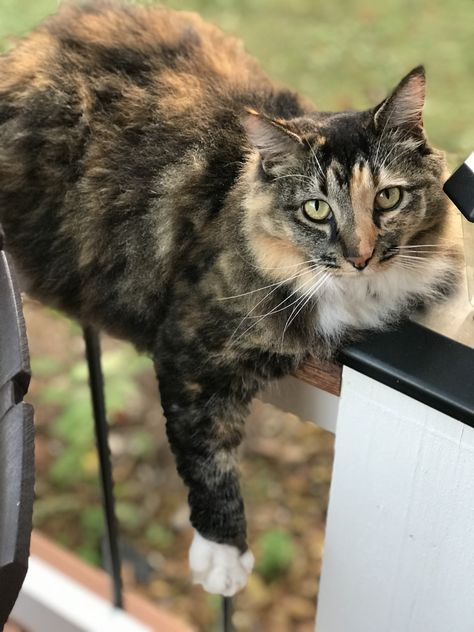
155	183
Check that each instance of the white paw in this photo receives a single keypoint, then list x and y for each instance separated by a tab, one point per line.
219	568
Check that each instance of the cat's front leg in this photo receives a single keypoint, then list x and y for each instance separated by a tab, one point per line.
205	413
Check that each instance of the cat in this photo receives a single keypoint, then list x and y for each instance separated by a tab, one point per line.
155	183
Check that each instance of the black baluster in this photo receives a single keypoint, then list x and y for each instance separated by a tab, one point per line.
96	381
227	614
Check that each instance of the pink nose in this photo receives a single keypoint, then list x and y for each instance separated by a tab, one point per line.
360	262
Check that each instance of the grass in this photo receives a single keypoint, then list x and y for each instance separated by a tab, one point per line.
343	54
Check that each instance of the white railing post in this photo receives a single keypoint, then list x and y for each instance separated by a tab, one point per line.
50	601
399	549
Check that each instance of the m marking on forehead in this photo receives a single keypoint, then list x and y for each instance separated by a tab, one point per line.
362	192
338	175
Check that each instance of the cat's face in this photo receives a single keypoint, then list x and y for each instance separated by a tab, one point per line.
347	194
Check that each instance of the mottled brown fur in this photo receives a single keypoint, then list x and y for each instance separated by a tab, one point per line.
152	183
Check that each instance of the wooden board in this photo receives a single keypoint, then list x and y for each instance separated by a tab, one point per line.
323	375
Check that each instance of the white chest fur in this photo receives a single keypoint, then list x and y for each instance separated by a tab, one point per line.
374	299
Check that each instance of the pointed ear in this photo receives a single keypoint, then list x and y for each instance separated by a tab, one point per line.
274	139
404	107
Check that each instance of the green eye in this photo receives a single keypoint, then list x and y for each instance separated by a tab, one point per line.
316	210
388	199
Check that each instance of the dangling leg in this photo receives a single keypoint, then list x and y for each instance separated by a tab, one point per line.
205	413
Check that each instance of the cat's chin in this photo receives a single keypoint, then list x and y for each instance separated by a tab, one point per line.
221	569
377	300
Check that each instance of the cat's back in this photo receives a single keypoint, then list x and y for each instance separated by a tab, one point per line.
103	95
105	111
176	55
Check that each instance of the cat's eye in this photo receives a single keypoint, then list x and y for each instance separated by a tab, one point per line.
316	210
388	199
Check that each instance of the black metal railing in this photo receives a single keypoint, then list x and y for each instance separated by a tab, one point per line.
93	356
96	382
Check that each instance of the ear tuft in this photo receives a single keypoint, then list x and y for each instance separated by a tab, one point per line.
273	138
404	107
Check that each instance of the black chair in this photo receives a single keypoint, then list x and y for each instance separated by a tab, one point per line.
16	444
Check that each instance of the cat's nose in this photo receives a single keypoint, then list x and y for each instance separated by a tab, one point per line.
360	261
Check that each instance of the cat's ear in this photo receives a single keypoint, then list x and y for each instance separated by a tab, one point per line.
275	140
404	107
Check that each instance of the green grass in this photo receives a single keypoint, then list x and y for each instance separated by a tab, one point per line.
343	54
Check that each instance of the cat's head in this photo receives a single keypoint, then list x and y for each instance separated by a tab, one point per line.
351	194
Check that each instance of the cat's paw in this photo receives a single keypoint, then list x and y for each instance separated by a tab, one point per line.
220	568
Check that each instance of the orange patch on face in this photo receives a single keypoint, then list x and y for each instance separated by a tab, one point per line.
278	257
271	243
274	252
362	192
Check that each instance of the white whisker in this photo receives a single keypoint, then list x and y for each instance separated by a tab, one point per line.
408	264
265	287
261	301
417	246
405	265
381	137
298	289
291	265
273	311
318	164
417	252
413	256
293	175
397	143
396	157
304	300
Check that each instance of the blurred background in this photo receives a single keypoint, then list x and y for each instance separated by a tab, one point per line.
345	54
